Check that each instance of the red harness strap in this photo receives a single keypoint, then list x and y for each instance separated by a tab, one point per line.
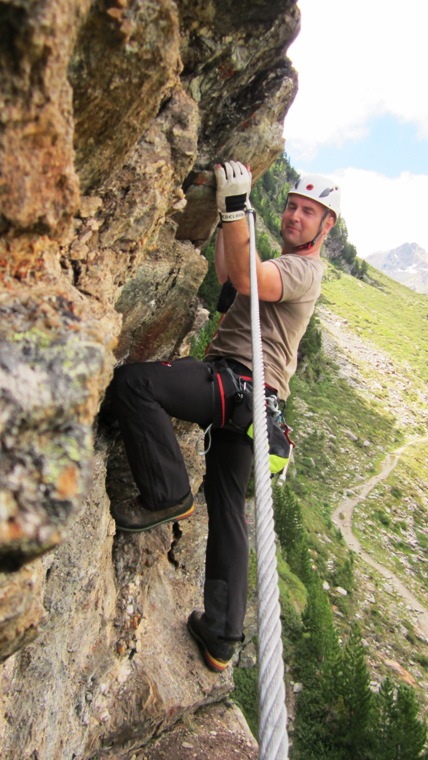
222	399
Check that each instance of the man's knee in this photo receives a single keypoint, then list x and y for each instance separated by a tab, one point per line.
129	378
120	378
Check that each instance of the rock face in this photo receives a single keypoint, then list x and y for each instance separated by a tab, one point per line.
112	115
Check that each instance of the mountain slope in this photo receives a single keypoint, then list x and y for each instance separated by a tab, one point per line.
368	400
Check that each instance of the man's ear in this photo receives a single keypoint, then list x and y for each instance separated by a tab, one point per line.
329	223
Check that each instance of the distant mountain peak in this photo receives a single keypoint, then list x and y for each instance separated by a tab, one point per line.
407	264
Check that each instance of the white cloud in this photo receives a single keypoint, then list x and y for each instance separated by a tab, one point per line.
380	212
357	60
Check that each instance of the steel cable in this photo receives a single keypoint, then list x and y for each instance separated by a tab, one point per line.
273	738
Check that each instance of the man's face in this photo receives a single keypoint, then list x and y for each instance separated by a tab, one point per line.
301	221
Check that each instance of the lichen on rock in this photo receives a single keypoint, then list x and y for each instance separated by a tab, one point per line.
112	115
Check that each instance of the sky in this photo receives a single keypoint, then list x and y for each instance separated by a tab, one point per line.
360	115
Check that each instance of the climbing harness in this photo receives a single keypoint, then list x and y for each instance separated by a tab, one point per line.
230	386
273	738
238	387
280	444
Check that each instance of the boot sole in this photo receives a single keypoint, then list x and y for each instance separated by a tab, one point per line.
176	518
217	666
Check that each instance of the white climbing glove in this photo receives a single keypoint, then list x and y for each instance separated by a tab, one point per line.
233	190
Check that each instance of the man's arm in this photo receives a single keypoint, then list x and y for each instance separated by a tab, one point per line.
236	254
219	260
233	240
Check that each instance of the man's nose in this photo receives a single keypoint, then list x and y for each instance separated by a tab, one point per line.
293	213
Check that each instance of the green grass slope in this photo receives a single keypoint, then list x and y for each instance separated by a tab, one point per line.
366	398
390	317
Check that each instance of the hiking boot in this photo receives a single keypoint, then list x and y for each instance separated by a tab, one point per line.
216	652
131	516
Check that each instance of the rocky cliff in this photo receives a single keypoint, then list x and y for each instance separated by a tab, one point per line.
111	117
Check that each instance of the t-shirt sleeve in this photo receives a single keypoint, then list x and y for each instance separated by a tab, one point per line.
299	278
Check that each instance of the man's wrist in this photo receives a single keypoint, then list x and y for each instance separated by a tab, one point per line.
231	216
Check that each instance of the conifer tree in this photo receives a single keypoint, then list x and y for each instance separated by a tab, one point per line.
320	643
384	719
289	525
319	662
409	732
354	723
399	733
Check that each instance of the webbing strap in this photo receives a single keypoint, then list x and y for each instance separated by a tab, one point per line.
273	738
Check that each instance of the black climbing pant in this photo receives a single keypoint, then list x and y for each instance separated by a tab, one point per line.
146	396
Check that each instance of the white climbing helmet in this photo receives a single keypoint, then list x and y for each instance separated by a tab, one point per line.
320	189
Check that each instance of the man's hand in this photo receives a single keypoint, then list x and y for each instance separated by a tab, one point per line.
233	190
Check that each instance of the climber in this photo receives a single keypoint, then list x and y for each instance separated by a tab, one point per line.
147	395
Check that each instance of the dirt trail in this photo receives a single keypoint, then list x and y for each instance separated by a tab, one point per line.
342	518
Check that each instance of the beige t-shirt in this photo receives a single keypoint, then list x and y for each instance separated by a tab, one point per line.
283	323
